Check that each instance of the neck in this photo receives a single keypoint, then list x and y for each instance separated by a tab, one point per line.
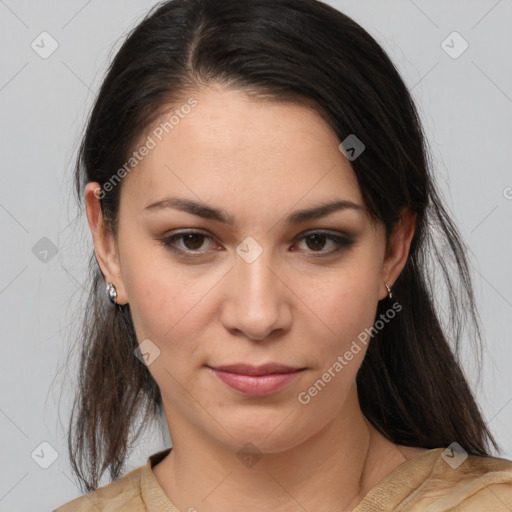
331	470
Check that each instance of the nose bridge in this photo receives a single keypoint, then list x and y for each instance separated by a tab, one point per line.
253	270
258	301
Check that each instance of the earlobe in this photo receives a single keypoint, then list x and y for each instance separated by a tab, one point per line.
398	247
104	242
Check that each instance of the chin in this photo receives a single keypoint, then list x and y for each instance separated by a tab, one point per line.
269	433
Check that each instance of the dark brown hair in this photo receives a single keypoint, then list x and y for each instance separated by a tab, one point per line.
411	385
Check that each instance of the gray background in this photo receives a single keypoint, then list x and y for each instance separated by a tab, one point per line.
466	106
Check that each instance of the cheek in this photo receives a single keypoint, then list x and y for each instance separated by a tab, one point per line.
168	303
349	305
158	293
345	304
169	300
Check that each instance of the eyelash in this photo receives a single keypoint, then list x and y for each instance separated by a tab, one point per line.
342	241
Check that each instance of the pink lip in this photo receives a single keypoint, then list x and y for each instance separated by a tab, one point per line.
256	380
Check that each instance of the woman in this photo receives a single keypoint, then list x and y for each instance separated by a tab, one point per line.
263	213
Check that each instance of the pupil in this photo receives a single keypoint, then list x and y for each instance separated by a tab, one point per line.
194	238
316	237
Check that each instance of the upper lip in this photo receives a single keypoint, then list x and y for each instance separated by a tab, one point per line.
264	369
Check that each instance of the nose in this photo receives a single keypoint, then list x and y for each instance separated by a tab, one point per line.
257	302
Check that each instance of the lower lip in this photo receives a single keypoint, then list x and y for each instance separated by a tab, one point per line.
256	385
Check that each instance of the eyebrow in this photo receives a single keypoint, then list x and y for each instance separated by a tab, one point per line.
209	212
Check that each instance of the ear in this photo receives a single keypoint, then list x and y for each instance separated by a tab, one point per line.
105	245
398	249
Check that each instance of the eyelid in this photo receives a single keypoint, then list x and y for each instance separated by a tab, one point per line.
166	241
342	240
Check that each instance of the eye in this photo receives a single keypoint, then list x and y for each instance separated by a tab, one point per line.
192	243
316	241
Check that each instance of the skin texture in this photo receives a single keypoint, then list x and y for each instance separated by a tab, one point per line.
259	162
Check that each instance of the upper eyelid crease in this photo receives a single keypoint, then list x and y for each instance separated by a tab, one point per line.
208	212
342	240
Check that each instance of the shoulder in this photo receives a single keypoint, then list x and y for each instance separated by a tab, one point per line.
472	483
440	479
114	497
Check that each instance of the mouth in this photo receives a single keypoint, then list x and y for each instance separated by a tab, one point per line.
256	380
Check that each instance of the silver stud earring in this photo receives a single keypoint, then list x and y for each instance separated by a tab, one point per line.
390	295
111	292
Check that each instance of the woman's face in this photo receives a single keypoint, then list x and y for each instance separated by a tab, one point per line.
265	285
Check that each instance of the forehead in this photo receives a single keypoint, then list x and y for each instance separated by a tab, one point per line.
229	147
